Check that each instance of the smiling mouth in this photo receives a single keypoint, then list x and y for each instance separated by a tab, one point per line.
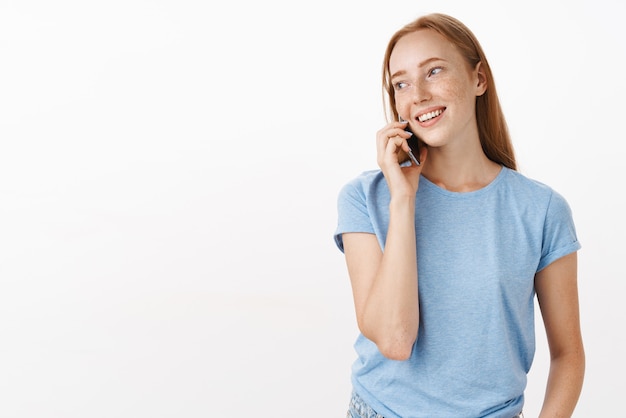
430	115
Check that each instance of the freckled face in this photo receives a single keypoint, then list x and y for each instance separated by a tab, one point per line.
435	88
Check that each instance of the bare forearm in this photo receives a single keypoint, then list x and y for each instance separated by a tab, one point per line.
391	314
564	385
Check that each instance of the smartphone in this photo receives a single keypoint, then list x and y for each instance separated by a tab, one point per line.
413	142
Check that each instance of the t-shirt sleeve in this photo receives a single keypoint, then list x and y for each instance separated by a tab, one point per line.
352	211
559	234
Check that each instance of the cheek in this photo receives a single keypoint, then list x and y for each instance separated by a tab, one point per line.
460	89
453	89
403	107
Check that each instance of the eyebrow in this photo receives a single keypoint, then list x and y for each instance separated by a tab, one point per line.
420	65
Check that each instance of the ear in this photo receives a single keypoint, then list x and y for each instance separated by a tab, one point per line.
481	79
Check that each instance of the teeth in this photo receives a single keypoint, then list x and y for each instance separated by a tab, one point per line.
429	115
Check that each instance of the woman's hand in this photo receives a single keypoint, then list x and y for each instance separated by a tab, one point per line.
392	149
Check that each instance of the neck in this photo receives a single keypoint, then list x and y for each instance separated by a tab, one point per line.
464	172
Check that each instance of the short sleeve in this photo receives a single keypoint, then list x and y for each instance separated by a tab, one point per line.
352	211
559	233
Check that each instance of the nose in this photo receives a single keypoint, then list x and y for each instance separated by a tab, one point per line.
421	93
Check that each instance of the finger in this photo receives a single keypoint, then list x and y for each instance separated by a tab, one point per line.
381	144
405	144
393	129
394	144
382	137
393	132
385	137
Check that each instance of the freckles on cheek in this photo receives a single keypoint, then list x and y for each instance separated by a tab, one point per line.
455	91
458	89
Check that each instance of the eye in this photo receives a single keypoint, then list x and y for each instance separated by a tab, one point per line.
400	85
434	71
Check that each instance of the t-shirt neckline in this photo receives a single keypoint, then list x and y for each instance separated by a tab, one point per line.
429	184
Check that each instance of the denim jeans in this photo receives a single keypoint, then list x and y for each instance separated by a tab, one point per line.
359	409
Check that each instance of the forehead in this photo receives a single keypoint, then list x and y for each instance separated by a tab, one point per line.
419	46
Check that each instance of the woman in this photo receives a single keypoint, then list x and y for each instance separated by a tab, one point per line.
445	257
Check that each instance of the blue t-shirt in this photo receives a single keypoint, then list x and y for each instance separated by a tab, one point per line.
477	254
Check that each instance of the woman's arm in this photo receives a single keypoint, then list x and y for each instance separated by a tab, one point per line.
384	285
557	293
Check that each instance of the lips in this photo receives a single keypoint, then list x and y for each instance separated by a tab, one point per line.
424	117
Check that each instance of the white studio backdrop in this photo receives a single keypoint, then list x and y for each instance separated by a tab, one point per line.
168	179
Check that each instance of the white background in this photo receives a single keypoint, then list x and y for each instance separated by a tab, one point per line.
168	179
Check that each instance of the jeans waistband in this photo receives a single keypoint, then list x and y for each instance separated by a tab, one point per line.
359	409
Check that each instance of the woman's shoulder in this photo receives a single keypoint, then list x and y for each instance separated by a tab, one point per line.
365	181
533	190
524	183
367	176
367	189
